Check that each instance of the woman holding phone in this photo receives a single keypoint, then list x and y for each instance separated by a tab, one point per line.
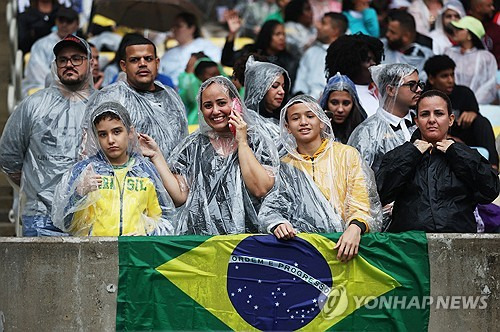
224	169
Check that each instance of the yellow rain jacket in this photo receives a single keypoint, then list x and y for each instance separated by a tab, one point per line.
337	171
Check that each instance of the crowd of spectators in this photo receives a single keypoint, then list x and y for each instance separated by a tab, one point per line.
365	119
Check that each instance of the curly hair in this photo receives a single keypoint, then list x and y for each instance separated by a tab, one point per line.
346	54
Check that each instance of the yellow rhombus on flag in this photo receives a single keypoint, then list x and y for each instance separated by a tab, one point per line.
202	273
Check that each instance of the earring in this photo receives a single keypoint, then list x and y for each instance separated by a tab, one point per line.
469	37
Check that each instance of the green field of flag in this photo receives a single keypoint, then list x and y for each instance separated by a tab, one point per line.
256	282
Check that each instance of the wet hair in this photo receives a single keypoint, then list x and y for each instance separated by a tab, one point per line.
346	54
265	35
404	18
135	40
435	93
240	66
191	20
339	20
106	116
294	10
437	64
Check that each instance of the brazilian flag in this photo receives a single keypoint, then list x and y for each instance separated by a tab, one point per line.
256	282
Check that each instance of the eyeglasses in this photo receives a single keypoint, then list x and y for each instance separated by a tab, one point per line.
76	60
414	85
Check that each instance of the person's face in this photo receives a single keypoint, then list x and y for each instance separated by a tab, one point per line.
70	74
449	16
340	105
365	76
486	8
433	119
182	32
394	35
113	138
460	35
443	81
216	107
66	27
209	72
95	60
275	95
278	40
326	30
303	124
141	66
307	15
406	97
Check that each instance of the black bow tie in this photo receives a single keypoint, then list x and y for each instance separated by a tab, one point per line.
398	127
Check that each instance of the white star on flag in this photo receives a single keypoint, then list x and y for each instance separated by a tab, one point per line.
277	304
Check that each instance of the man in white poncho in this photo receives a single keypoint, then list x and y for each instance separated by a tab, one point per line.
155	109
41	138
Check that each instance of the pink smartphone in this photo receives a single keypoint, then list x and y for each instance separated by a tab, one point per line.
237	108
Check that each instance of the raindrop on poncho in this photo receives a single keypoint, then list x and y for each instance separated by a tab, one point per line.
374	137
41	140
259	77
218	201
325	192
160	114
131	199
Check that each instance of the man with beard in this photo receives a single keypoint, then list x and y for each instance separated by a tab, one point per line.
400	42
483	10
442	35
155	110
41	138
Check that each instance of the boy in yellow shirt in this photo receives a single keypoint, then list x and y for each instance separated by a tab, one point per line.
116	191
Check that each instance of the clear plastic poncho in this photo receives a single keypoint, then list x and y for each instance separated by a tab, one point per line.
160	114
259	77
325	192
218	201
340	82
374	137
476	69
41	139
131	200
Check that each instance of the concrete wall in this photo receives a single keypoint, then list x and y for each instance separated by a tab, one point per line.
69	284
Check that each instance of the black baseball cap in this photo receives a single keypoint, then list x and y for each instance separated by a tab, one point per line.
67	13
71	40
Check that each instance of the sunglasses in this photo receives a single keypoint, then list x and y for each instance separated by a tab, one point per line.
414	85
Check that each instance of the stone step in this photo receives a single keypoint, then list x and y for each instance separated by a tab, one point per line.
7	229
